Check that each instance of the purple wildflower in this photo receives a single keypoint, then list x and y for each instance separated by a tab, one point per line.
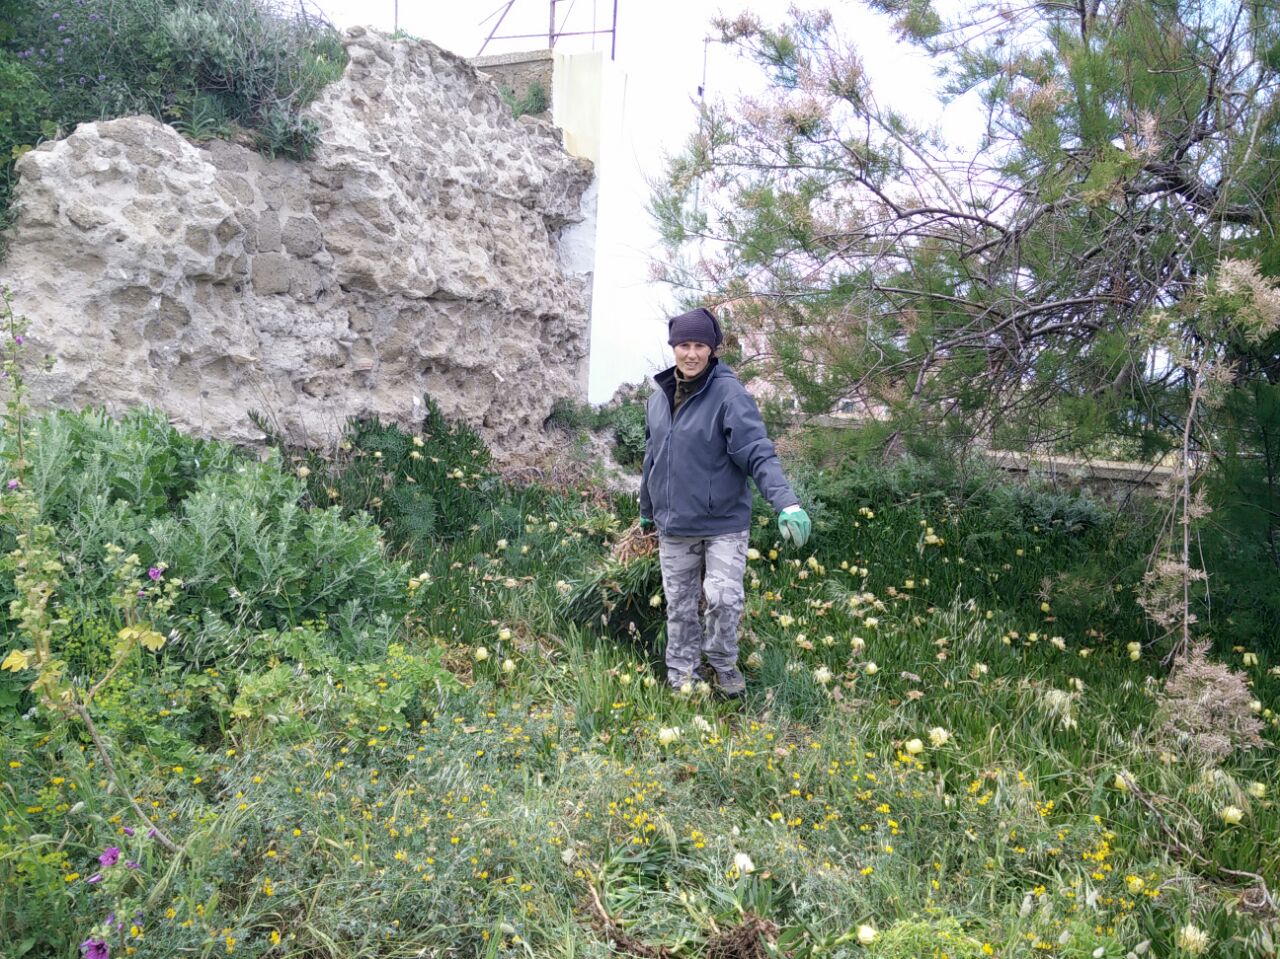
110	856
14	483
155	572
131	864
94	879
95	949
19	339
127	830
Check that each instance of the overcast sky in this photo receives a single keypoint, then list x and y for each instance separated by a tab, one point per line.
658	68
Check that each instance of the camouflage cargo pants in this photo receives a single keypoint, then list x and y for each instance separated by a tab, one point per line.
684	560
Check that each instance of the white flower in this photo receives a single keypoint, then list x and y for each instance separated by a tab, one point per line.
742	862
914	747
1193	939
668	735
867	934
753	554
822	675
1135	651
857	642
624	679
480	654
508	666
501	544
703	688
755	660
655	600
701	724
1231	815
871	669
686	689
1258	790
871	622
1058	643
938	736
504	634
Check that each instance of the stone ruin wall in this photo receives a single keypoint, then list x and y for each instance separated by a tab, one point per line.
417	252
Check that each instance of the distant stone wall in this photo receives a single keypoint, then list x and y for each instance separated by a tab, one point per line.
1110	478
519	71
418	252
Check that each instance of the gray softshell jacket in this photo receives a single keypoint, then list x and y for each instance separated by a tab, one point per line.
696	465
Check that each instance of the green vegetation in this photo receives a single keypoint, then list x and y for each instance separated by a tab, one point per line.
534	101
209	67
357	750
390	703
623	422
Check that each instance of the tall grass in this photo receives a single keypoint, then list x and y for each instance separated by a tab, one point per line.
499	776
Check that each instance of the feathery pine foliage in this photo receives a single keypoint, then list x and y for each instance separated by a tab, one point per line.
1129	151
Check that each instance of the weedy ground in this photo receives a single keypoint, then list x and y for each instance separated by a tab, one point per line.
454	740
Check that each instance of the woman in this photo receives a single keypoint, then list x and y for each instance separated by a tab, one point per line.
703	438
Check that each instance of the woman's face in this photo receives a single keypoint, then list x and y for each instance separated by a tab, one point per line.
692	358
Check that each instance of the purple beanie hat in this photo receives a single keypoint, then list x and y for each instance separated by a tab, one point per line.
696	326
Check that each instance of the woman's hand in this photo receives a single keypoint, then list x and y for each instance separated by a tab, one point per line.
794	525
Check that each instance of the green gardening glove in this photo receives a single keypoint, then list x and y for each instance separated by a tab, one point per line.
794	525
646	525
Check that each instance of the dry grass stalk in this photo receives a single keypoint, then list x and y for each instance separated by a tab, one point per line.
749	939
634	543
1207	708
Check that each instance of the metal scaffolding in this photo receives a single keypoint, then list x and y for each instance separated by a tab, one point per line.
554	32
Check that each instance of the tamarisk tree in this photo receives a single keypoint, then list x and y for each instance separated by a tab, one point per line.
1025	286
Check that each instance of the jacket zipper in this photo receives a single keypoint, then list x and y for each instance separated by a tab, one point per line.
671	430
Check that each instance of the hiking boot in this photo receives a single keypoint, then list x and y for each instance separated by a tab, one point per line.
678	683
731	683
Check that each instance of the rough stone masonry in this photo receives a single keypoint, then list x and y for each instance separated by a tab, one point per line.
417	252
